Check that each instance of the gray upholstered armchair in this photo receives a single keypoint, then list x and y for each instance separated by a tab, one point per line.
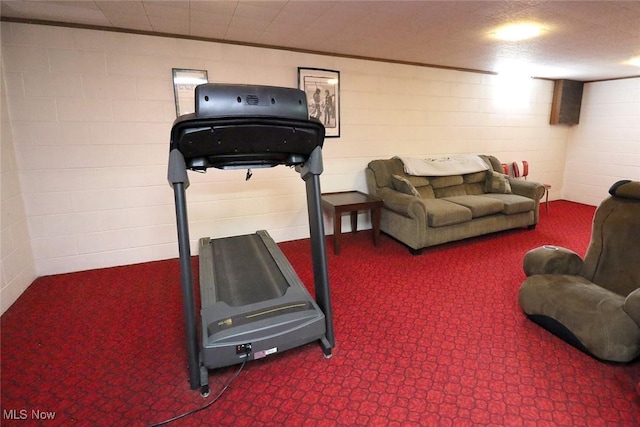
593	304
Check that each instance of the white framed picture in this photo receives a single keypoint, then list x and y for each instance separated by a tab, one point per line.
184	85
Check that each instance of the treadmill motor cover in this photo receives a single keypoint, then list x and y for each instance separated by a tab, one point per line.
244	126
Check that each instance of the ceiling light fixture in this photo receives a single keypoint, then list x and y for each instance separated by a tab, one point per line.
517	32
635	61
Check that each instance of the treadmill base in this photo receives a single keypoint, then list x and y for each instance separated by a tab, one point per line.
253	303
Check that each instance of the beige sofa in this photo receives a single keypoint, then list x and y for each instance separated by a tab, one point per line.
422	211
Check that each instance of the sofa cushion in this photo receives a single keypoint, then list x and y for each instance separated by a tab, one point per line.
479	205
454	190
445	181
417	181
447	186
475	188
426	192
442	212
497	182
513	203
470	178
403	185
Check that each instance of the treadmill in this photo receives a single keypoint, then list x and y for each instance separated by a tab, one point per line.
252	302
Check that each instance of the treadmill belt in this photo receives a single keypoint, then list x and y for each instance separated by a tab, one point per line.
245	272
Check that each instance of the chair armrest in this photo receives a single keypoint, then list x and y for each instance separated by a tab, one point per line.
530	189
632	306
552	260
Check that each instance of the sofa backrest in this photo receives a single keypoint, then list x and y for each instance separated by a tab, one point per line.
612	260
383	170
493	162
380	173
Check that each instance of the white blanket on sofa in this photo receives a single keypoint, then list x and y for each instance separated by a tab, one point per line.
442	166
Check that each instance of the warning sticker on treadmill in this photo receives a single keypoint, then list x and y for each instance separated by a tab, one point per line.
264	353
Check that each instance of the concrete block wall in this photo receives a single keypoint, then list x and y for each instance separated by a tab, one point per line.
90	113
17	266
605	146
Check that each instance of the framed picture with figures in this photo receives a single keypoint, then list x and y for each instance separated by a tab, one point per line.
322	88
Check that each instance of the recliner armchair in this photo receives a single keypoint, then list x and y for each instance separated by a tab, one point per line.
592	303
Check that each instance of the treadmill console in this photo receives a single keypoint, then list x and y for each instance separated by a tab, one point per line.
224	100
246	126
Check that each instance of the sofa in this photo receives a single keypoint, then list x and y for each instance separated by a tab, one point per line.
422	211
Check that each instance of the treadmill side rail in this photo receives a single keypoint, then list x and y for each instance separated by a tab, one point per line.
310	173
186	283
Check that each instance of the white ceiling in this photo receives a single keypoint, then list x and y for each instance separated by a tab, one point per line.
583	40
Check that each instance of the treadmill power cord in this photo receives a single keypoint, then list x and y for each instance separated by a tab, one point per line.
208	404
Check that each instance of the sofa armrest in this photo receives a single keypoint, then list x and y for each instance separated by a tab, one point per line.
552	260
632	306
404	204
530	189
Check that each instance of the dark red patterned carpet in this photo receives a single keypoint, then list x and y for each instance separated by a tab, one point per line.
432	340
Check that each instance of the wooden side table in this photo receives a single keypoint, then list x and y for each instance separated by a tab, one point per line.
352	202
